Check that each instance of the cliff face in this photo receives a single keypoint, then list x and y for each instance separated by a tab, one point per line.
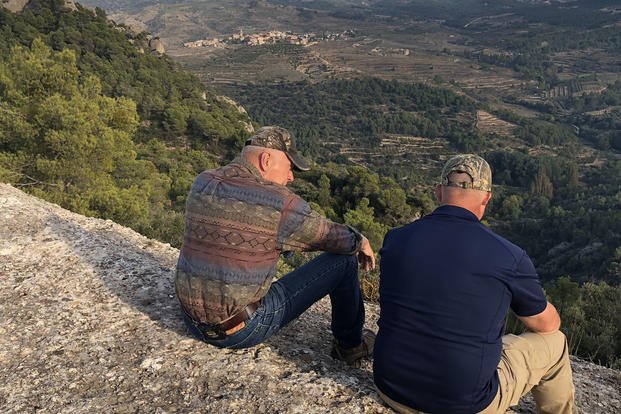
89	323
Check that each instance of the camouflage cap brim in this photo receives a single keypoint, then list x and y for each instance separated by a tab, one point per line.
298	162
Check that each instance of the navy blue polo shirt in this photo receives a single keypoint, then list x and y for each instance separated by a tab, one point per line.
446	284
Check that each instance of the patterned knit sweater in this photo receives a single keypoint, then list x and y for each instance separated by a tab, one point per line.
236	225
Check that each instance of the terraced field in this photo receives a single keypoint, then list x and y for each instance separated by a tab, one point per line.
396	150
490	124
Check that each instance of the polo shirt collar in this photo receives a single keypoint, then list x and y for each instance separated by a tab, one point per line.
455	211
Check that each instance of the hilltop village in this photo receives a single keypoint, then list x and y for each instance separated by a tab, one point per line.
271	37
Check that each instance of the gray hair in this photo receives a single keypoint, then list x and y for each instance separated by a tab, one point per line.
250	151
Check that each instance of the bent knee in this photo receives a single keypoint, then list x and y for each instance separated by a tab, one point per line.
556	340
556	343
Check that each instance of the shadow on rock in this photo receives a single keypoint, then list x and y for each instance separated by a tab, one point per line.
141	272
137	270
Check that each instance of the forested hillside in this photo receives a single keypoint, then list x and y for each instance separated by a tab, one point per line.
93	120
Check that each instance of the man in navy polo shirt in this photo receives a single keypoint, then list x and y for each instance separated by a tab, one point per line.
446	285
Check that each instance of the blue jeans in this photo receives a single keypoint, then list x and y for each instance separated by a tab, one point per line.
291	295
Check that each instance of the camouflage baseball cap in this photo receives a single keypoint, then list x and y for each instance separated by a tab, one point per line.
476	167
279	138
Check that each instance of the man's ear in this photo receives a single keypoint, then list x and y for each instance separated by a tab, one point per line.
487	197
439	193
264	160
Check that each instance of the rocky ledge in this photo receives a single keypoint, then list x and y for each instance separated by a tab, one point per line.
89	323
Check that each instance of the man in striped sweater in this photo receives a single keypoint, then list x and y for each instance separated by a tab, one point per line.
239	219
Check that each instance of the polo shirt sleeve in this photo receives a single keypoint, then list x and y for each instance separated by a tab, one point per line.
303	229
528	298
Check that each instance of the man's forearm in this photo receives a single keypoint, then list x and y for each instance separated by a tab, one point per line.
547	321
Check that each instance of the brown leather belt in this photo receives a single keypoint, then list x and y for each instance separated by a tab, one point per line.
229	326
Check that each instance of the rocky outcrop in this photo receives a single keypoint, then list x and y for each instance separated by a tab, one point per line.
157	45
229	101
247	126
89	324
19	5
14	5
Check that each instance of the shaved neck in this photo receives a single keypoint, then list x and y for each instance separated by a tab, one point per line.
251	153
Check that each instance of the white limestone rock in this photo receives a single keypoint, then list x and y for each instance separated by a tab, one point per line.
89	324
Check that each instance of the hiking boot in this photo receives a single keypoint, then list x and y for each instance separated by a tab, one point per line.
353	356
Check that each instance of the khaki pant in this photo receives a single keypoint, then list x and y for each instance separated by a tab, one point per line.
528	362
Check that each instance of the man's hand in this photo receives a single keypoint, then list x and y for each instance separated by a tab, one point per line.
366	257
